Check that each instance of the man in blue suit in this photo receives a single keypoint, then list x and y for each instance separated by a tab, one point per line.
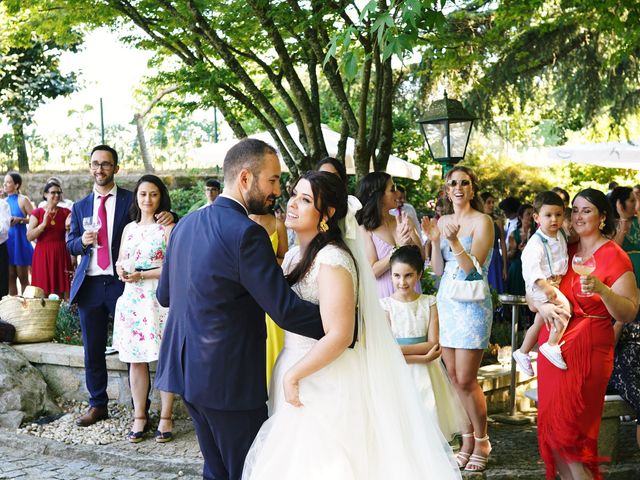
96	287
220	276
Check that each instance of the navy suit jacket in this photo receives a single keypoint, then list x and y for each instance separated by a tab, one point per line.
84	208
219	277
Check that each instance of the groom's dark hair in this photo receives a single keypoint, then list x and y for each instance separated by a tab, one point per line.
247	153
328	192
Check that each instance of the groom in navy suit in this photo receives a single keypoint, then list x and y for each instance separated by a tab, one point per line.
96	287
220	276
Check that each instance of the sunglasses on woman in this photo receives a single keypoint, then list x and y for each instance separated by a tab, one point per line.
455	183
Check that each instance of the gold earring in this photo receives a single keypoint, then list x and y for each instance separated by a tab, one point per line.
601	224
323	226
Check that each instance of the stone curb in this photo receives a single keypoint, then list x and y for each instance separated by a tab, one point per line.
102	455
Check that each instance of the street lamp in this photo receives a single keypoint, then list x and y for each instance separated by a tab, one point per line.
446	128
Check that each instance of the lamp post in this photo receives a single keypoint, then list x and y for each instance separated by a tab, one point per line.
446	128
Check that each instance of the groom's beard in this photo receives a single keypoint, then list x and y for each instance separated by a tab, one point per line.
257	202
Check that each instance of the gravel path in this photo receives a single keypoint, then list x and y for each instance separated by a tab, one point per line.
61	450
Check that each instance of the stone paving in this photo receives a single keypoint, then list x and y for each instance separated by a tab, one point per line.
514	456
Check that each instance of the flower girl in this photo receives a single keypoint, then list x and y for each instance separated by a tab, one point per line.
414	322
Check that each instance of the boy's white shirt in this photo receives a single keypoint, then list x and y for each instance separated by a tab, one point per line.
535	265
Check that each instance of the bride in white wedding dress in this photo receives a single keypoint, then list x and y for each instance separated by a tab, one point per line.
343	407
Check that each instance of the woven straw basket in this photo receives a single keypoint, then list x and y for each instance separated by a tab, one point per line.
34	318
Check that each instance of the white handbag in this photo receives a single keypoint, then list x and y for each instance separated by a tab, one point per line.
473	288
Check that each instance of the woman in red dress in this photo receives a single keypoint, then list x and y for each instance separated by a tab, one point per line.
571	401
51	262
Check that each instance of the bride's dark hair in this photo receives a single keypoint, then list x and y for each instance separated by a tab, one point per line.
328	192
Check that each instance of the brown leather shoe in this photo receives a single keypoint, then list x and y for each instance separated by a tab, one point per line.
93	415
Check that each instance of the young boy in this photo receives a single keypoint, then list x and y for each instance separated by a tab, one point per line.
544	261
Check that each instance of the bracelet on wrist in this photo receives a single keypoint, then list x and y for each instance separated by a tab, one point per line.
457	254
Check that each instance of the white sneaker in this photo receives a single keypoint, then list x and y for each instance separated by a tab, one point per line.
553	354
524	362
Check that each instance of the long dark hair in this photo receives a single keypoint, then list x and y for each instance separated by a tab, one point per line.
619	194
370	192
337	164
165	200
328	192
476	202
599	200
521	211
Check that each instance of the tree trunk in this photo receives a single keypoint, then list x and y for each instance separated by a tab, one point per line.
21	147
139	119
144	150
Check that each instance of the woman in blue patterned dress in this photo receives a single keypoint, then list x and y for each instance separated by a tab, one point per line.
139	319
20	249
464	326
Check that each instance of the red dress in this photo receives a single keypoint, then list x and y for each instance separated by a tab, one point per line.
571	401
51	261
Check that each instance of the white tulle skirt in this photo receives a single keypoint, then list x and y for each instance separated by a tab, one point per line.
332	436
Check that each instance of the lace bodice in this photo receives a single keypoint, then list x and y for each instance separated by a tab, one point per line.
307	288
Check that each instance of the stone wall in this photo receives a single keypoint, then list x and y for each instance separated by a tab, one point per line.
77	185
62	367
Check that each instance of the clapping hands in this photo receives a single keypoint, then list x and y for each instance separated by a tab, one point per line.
432	231
430	228
450	231
403	229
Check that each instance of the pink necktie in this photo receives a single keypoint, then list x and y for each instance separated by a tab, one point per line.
103	235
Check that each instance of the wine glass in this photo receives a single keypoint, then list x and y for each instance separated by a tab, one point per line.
583	266
92	225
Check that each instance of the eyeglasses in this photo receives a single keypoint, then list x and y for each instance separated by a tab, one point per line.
103	165
455	183
55	192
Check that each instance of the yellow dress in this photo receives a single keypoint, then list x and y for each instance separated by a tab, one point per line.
275	335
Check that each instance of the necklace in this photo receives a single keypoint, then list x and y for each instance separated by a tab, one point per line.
52	216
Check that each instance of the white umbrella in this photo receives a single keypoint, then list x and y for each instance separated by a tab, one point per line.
609	154
396	167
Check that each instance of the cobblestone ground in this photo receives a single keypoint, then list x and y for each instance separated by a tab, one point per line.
20	464
515	456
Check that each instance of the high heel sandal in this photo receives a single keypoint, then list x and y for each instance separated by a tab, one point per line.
164	437
479	462
137	437
462	458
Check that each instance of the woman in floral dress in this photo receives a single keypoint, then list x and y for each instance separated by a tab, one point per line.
139	319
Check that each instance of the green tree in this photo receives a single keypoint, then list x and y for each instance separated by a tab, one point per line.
265	60
570	61
29	75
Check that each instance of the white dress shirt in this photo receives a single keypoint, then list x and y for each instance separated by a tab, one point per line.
535	262
110	206
5	220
